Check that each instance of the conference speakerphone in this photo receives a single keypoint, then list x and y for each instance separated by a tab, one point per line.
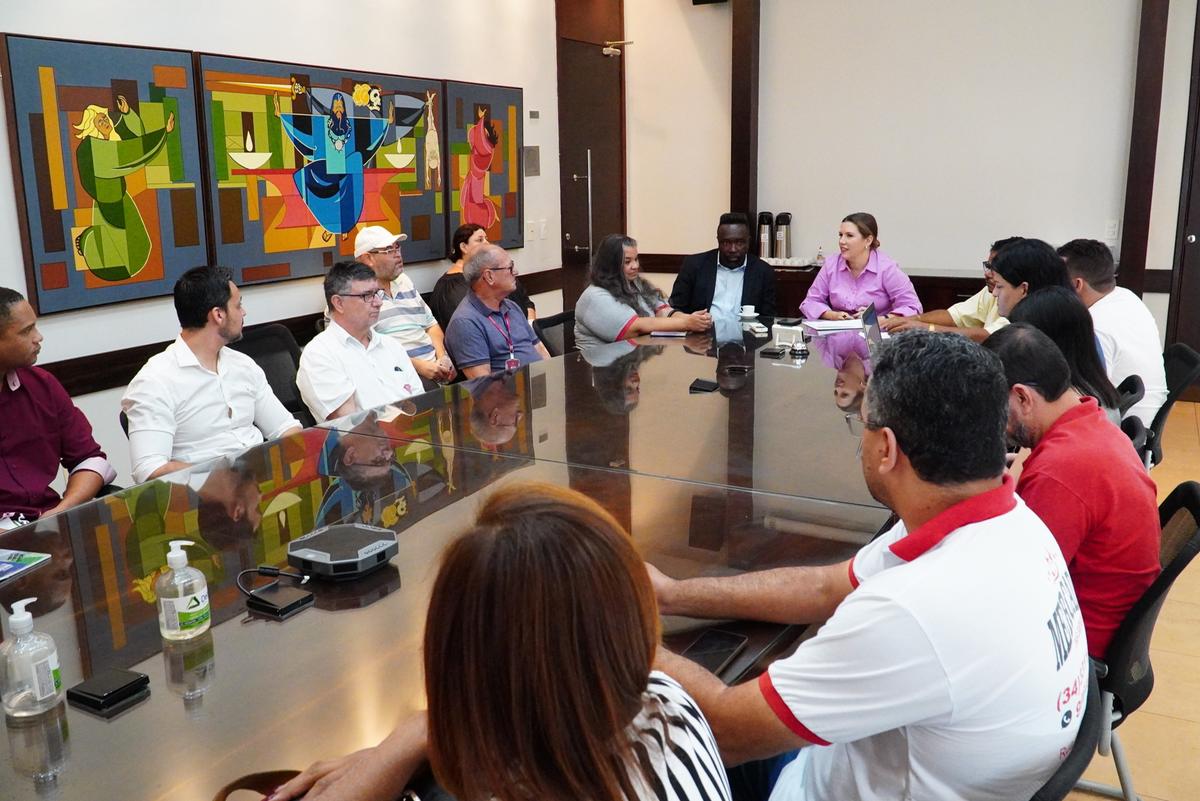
343	551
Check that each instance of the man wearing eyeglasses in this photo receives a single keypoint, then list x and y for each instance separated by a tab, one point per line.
489	332
350	366
952	661
976	317
404	315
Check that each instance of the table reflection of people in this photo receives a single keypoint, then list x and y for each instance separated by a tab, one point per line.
734	354
616	375
495	407
216	505
847	353
50	582
368	481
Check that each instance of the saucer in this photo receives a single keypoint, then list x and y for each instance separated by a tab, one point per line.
747	317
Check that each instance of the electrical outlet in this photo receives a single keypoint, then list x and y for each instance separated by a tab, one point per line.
530	230
1112	229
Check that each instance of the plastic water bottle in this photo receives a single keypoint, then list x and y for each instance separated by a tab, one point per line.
183	610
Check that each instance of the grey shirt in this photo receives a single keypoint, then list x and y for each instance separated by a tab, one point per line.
601	318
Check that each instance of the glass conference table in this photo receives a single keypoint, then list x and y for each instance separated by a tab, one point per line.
759	474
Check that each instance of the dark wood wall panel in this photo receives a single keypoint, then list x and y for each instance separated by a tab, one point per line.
595	21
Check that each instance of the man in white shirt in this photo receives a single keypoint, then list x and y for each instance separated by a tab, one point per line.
953	660
1125	328
404	315
349	366
198	399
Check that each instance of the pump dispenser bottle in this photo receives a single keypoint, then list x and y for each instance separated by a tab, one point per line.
30	680
183	610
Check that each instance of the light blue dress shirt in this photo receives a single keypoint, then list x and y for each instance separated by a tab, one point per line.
727	293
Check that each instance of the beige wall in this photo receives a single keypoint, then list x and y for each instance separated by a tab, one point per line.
677	99
955	123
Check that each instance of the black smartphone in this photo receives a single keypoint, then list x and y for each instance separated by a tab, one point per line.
788	321
110	692
773	352
715	649
702	385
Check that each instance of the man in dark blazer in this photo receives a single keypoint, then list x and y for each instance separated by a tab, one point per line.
711	280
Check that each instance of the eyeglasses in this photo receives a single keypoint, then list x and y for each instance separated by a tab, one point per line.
389	251
365	297
987	266
512	268
859	426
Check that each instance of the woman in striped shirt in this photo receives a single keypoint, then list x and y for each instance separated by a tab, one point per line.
539	639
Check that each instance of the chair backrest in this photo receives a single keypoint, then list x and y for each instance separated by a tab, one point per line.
124	418
1086	739
1130	675
1183	369
1131	390
274	349
1135	429
557	332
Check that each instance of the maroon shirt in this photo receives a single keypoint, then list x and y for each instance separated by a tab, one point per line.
40	428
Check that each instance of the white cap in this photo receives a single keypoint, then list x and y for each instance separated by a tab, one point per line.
21	621
177	557
374	237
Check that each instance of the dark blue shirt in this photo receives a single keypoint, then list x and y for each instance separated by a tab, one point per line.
477	335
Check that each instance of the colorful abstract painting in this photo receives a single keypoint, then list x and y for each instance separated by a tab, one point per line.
483	143
302	157
107	164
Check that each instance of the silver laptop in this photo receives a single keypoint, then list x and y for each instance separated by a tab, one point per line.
871	329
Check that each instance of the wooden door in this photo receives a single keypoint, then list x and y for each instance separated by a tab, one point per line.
591	124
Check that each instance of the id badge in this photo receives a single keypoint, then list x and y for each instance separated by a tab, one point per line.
510	363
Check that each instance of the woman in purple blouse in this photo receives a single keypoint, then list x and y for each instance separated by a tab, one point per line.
858	276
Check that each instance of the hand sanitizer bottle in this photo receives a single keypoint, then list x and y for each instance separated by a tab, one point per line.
183	610
819	259
30	679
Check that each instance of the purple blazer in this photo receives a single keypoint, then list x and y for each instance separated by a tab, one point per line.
881	282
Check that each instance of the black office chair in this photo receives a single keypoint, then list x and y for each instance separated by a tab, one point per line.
124	418
557	332
1135	429
274	349
1126	675
1131	391
1090	729
1183	369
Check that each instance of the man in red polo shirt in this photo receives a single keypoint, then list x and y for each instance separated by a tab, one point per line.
42	428
1083	478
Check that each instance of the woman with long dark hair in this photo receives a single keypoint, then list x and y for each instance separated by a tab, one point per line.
539	643
619	304
451	288
1059	314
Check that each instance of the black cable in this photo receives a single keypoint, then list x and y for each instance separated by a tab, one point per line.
267	570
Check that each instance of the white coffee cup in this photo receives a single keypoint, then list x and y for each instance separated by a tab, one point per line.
747	311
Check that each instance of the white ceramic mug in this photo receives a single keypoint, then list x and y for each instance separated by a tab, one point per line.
747	311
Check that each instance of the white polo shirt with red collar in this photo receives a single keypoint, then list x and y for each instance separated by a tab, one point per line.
956	668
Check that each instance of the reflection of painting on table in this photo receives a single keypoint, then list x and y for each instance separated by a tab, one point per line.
108	166
483	142
302	157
